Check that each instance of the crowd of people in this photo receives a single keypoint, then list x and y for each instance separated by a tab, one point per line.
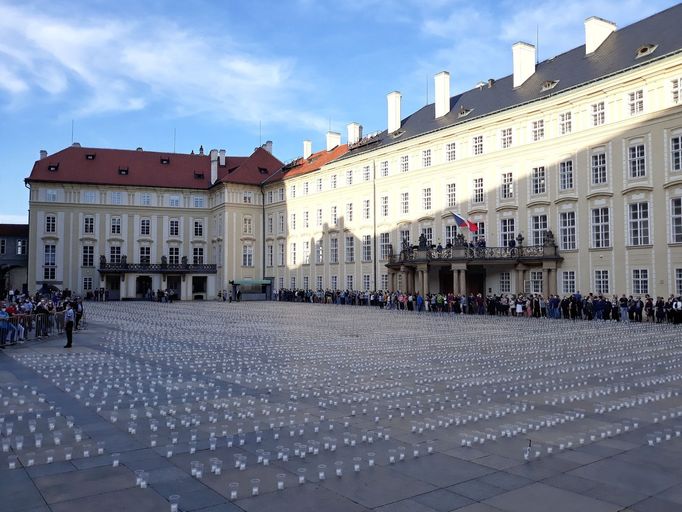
39	316
571	306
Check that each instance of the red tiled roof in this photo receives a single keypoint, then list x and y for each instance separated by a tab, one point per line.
313	163
14	230
145	168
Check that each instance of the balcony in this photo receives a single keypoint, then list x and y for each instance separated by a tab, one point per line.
155	268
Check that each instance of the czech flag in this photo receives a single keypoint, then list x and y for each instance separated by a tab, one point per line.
464	223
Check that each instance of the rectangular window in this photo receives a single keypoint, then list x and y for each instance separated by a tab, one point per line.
174	227
366	175
292	222
507	231
599	176
539	229
678	281
305	188
480	232
404	202
349	177
640	281
601	282
116	198
173	255
384	245
450	233
280	254
451	195
365	209
426	158
349	212
270	225
247	225
116	225
318	280
384	281
384	206
676	220
675	90
198	228
305	283
565	123
568	281
269	255
198	201
639	223
426	198
601	228
333	250
367	248
318	184
145	227
145	199
174	201
292	253
334	281
404	163
50	224
383	168
505	282
636	102
478	191
50	252
506	138
566	175
676	153
198	255
281	194
477	145
332	181
598	114
281	222
306	252
270	197
319	252
88	259
349	282
535	281
306	219
637	161
350	249
318	217
281	282
450	152
539	180
87	284
507	189
22	247
115	254
365	282
333	216
567	238
292	191
90	197
538	130
292	282
145	255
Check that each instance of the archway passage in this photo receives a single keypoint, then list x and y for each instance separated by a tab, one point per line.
142	285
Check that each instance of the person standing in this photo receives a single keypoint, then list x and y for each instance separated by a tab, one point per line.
69	318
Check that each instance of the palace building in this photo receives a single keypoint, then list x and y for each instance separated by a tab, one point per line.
569	170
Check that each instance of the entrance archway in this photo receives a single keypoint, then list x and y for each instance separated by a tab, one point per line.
142	285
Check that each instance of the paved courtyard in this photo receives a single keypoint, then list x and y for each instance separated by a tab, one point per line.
302	407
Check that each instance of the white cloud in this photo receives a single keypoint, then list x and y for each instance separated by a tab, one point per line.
10	218
113	66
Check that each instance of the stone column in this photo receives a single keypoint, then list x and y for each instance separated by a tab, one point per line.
545	282
455	281
426	280
463	281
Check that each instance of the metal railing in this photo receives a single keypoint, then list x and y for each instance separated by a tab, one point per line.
460	253
18	328
158	268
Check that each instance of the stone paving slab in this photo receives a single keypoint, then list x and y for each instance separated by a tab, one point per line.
539	497
87	482
307	498
135	499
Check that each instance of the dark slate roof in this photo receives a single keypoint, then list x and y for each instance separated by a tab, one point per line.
572	69
20	230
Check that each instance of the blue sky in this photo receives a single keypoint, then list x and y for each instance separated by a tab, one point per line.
220	73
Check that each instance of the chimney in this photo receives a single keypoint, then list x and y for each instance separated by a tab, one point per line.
214	166
139	148
442	89
354	133
307	149
267	146
221	158
393	111
333	140
43	154
524	57
596	32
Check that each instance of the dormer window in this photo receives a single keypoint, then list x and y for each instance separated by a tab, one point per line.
463	112
165	160
53	167
262	170
548	85
645	49
198	175
90	156
123	171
